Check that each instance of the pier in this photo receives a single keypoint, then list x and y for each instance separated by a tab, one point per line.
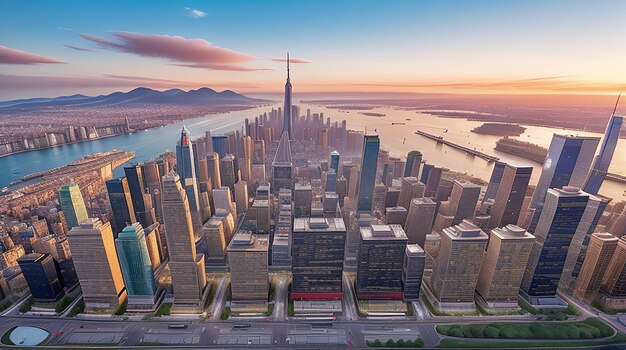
467	150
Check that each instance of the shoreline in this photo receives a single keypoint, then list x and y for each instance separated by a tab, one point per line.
112	135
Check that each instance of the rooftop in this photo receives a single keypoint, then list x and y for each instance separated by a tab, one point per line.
512	232
376	232
319	225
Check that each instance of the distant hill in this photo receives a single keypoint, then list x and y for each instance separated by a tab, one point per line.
200	97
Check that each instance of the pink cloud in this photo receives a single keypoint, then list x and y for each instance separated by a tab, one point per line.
15	56
291	60
195	53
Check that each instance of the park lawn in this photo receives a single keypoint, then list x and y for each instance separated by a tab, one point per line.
454	343
588	329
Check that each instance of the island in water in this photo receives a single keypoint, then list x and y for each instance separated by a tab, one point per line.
499	129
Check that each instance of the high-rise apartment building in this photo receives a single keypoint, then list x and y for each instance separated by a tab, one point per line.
410	188
187	267
97	265
456	268
412	272
419	220
599	254
249	281
503	267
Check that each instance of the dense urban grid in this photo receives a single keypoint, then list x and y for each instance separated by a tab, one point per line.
293	224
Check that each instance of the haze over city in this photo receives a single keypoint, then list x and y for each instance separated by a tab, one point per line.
558	47
346	174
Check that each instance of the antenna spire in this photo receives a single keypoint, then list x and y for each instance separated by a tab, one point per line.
287	65
616	103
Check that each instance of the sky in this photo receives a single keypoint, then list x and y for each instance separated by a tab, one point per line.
59	48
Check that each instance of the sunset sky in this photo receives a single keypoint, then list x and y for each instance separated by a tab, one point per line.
66	47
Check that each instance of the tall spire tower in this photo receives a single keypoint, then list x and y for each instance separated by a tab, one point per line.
287	108
282	166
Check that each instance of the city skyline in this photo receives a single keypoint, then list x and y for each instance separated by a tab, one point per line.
406	47
305	224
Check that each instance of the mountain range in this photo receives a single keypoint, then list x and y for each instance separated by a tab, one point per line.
200	97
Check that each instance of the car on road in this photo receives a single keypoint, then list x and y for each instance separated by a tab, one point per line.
58	334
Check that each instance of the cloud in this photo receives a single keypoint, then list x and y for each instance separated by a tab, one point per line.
227	67
76	48
193	13
15	56
563	84
291	60
195	53
9	82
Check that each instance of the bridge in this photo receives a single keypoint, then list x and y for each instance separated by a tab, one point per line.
467	150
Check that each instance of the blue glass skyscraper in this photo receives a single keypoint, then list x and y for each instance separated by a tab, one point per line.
369	162
121	204
134	258
73	205
561	215
331	181
603	159
334	161
186	168
567	164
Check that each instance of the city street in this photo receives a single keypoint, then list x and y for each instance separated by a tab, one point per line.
218	301
280	297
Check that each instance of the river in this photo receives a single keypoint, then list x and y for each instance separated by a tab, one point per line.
398	139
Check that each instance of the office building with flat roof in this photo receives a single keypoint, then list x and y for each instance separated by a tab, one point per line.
318	255
249	274
380	262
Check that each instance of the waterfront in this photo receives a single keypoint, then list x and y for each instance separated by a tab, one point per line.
399	139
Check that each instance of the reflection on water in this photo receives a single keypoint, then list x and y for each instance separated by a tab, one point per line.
150	143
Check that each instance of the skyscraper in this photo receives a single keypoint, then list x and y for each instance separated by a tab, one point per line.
419	220
559	219
241	196
603	159
457	266
186	169
121	204
503	267
227	171
282	166
380	262
318	254
601	249
73	205
412	271
97	265
567	164
461	205
510	195
580	242
249	281
287	110
213	169
42	277
134	176
494	181
613	289
369	161
187	267
411	188
334	161
134	258
413	163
